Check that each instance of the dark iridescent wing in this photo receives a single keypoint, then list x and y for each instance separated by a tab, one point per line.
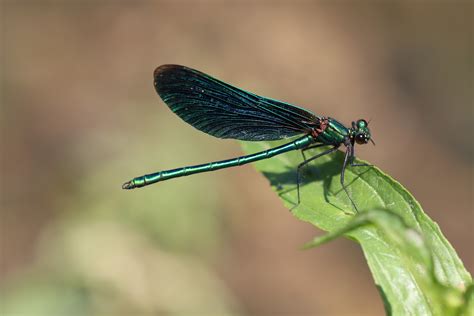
224	111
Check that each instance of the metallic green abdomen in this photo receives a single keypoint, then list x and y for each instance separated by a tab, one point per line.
138	182
335	133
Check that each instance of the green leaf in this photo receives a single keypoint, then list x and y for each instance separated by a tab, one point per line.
413	265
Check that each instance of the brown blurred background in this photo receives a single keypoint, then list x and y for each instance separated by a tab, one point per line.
79	116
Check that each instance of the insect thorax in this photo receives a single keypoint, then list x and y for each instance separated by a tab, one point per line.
331	132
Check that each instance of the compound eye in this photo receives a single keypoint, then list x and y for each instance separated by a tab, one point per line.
360	139
362	123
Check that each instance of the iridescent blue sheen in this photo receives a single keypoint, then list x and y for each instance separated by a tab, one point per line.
224	111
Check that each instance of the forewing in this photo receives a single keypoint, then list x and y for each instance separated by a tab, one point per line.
224	111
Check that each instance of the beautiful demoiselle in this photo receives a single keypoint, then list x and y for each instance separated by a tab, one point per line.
224	111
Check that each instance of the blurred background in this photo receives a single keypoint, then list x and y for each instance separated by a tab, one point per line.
79	116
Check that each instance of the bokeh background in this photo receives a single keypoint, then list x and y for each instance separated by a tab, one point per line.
79	116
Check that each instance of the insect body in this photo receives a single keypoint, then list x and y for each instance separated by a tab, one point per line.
224	111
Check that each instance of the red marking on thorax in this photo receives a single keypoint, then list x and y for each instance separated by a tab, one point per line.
323	124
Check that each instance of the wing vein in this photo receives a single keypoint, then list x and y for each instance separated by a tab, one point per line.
224	111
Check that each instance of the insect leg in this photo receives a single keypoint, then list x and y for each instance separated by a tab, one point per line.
361	165
305	162
352	156
312	147
349	151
